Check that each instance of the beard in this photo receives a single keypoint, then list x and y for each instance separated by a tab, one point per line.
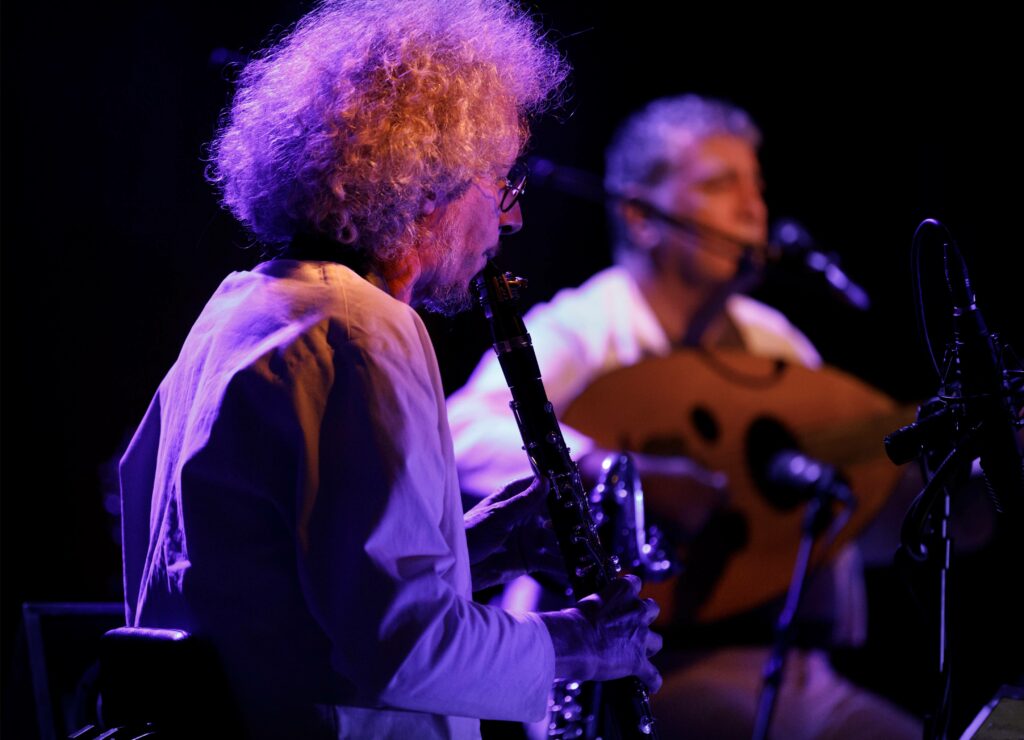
449	293
449	300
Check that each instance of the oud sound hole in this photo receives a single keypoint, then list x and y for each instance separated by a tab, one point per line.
765	438
705	424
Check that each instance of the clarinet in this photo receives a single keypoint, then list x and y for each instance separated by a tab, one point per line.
625	703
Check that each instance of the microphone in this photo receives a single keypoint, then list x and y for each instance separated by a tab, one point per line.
791	241
788	243
981	384
785	476
579	183
805	477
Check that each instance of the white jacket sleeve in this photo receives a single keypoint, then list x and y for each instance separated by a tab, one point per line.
383	557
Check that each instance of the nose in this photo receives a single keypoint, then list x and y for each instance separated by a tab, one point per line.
753	197
754	207
511	220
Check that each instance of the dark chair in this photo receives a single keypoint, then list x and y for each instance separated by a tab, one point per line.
162	684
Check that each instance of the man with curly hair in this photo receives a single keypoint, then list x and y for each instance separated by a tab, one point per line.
291	494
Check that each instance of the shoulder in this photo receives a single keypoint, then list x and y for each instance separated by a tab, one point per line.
352	310
299	323
608	293
766	331
611	283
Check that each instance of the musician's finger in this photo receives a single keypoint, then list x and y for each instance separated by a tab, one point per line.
650	677
515	489
651	610
510	490
531	498
634	583
652	644
545	559
538	489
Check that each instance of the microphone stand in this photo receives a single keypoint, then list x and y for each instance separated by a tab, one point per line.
817	518
975	414
932	548
926	541
748	275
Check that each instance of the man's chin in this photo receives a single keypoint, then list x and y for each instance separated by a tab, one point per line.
450	301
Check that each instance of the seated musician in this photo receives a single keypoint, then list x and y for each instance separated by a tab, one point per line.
687	213
291	494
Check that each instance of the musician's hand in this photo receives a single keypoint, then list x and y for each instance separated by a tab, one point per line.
509	535
607	635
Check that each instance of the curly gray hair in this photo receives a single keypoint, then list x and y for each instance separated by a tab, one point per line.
364	108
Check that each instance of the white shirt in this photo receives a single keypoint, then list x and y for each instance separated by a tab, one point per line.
291	495
581	334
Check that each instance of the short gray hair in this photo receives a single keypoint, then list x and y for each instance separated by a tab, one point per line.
646	147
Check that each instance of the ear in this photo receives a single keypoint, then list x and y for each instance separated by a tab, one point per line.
428	204
641	230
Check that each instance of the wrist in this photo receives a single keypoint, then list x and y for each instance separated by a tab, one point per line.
573	641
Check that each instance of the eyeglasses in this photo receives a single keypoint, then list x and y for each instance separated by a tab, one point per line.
515	186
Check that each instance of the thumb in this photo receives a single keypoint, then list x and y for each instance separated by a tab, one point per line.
529	499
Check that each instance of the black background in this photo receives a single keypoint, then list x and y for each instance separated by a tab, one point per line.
112	241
